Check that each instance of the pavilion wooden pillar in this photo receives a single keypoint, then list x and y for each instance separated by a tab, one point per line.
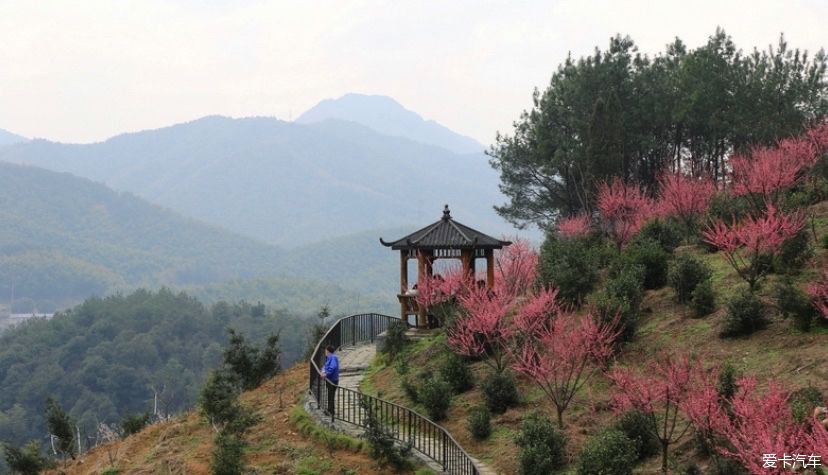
422	274
403	284
467	260
490	270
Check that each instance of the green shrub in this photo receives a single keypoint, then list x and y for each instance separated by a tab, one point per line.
610	453
636	426
803	401
666	232
479	422
133	424
795	304
626	283
794	254
570	265
823	241
607	308
500	392
541	446
648	254
728	208
395	338
745	315
27	460
227	455
455	370
690	469
727	384
252	365
410	390
704	299
435	397
220	403
383	447
686	272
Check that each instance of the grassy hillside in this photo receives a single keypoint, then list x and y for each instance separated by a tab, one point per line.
779	352
284	441
280	182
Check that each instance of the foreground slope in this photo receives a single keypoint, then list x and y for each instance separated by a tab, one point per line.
277	444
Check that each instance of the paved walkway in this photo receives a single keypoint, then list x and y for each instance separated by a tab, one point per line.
353	362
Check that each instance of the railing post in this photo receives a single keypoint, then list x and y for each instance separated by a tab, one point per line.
353	331
445	451
371	319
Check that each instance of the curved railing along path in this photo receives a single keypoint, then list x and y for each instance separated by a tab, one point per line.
357	334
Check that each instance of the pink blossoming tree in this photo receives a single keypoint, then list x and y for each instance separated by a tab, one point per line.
624	209
744	244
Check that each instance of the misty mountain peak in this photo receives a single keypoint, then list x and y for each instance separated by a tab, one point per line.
387	116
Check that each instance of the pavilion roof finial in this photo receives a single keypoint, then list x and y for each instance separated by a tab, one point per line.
446	213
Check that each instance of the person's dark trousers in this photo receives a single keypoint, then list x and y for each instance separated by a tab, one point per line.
331	387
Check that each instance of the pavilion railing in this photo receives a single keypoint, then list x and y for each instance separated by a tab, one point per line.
405	425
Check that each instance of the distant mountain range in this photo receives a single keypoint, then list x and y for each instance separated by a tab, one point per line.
386	116
8	138
283	183
64	238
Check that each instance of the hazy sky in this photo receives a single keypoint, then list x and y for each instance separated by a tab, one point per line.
85	70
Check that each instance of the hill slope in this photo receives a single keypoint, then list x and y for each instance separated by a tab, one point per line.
64	237
388	117
281	182
278	444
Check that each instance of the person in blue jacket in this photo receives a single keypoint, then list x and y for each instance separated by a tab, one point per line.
331	374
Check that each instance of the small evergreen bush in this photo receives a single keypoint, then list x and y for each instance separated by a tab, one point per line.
500	392
410	390
395	338
456	371
727	384
803	401
541	446
794	254
648	254
745	315
435	397
607	308
795	304
252	365
27	460
666	232
636	426
704	299
686	272
570	265
609	453
479	422
383	448
132	424
626	283
227	455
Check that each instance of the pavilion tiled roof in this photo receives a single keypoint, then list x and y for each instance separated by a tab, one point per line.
446	234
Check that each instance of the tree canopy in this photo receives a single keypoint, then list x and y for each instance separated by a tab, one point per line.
620	113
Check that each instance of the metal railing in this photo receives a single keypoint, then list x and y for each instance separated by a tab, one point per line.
354	407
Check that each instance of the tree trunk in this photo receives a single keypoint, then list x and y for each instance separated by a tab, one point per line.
664	447
560	418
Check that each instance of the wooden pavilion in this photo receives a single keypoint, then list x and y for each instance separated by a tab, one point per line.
445	239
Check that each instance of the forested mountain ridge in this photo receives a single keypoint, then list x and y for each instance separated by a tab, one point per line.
386	116
64	237
253	175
